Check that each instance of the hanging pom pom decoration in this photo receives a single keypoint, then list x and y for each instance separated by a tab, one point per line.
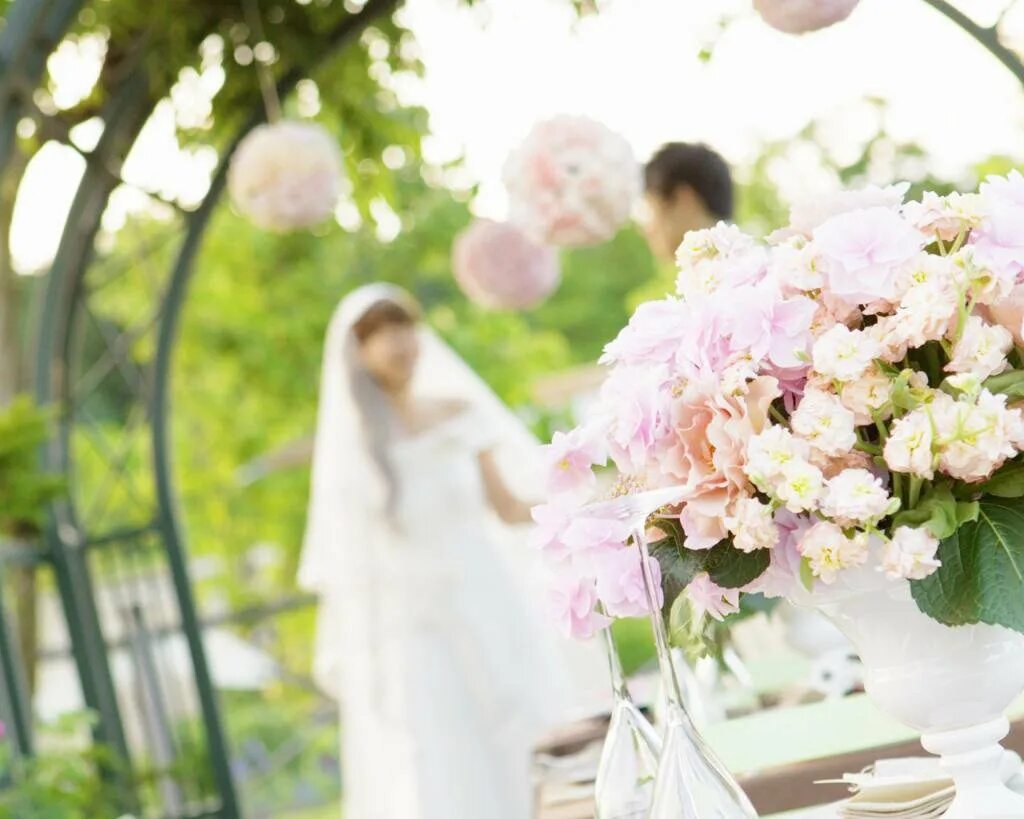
572	182
499	268
802	16
286	176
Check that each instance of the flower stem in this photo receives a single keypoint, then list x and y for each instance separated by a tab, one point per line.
915	491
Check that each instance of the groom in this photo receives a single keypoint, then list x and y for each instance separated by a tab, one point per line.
687	187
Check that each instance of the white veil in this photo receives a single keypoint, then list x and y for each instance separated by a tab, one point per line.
348	491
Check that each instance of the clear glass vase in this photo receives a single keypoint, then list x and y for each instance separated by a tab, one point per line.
624	787
691	782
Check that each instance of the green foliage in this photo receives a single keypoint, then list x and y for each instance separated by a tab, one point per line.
981	579
939	511
1006	482
24	488
64	780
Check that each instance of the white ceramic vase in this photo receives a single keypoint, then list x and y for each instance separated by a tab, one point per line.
953	685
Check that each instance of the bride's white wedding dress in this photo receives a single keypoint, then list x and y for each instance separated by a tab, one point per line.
426	632
445	692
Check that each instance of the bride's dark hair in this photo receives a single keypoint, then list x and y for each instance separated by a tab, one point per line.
377	417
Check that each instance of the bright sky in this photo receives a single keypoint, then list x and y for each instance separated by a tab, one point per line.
490	75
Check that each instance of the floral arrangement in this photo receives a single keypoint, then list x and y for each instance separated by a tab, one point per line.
286	176
802	16
497	267
572	182
841	396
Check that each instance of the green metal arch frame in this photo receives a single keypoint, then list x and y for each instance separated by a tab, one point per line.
63	300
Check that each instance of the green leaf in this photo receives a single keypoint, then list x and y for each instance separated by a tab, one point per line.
806	574
1009	383
730	568
678	566
981	579
940	512
903	395
1006	482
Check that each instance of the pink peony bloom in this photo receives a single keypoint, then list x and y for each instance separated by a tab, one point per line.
865	250
592	531
569	460
497	267
706	450
620	582
572	182
802	16
708	598
571	601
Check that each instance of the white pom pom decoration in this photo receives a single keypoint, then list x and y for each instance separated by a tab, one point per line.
499	268
286	176
572	182
802	16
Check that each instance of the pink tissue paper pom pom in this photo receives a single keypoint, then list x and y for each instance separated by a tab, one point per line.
802	16
499	268
572	182
286	176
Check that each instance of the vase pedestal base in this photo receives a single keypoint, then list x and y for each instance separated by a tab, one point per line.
975	761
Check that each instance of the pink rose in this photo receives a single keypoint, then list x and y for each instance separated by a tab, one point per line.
865	249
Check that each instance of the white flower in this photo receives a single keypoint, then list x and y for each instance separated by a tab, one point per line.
769	452
752	525
286	175
800	486
807	214
910	554
868	395
909	446
982	349
967	383
988	285
719	256
843	354
945	217
927	311
856	496
974	439
822	420
830	551
796	265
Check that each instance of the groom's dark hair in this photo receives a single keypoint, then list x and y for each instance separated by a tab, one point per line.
679	164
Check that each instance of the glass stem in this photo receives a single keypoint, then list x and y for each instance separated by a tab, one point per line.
668	668
618	676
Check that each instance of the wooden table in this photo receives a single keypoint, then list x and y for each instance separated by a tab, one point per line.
774	789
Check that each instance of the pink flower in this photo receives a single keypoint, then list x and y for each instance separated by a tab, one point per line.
497	267
620	582
998	241
551	521
706	450
784	570
1009	313
790	328
802	16
808	214
633	412
652	336
592	531
571	601
910	554
865	250
572	182
569	460
708	598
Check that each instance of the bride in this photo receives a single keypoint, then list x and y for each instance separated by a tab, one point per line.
425	632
